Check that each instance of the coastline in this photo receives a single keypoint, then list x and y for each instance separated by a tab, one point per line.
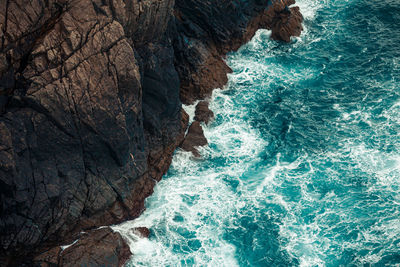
214	70
196	59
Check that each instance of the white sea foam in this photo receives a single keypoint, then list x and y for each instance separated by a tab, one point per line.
69	245
309	8
190	110
200	215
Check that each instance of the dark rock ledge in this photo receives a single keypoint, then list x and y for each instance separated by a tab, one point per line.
90	111
100	247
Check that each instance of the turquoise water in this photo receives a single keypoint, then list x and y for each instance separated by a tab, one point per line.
303	166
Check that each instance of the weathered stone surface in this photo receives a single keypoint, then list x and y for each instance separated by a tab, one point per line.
100	247
203	112
75	140
90	105
209	29
283	21
49	258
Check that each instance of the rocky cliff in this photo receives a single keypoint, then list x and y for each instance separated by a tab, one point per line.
91	96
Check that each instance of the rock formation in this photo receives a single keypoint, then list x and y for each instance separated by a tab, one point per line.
203	112
284	22
90	108
194	138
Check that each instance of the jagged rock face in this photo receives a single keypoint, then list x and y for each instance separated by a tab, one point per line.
211	28
83	102
90	105
208	30
195	134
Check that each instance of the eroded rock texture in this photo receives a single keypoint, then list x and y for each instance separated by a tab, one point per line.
90	105
284	21
99	247
210	29
84	111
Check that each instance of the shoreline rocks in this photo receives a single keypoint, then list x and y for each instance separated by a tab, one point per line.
286	22
91	113
142	231
203	112
99	247
195	134
194	138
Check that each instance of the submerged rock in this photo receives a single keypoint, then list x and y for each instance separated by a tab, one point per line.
203	112
142	231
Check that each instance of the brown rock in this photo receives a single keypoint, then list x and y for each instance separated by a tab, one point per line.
203	113
283	21
100	247
210	31
195	137
142	231
49	258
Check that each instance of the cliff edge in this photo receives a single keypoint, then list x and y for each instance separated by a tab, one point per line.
91	96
